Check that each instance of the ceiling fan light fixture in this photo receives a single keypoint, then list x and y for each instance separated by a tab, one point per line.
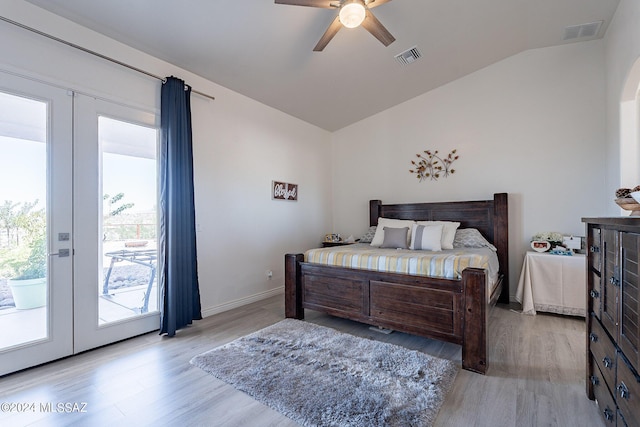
352	14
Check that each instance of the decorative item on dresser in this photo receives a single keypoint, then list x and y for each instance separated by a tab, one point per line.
613	328
453	310
627	199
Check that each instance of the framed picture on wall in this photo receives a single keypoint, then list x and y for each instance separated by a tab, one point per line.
284	191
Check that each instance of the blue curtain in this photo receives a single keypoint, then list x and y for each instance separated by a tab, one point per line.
177	242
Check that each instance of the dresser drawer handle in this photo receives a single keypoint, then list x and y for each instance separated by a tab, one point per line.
594	380
593	337
608	414
607	362
594	293
623	391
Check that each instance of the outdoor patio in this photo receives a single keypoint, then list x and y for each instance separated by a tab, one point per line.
22	326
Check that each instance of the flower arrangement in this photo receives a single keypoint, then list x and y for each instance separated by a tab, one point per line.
432	166
549	236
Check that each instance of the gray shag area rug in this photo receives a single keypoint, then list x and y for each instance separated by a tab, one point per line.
318	376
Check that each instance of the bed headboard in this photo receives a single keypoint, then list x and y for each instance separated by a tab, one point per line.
488	216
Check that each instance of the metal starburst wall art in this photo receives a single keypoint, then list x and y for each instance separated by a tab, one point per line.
431	166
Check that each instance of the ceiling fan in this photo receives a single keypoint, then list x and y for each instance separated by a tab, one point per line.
353	13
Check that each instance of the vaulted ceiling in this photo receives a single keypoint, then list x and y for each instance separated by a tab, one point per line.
264	50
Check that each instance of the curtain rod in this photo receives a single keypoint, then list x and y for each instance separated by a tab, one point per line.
94	53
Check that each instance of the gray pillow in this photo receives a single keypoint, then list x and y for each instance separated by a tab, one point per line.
471	238
395	238
368	236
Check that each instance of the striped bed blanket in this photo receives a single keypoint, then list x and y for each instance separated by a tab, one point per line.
447	263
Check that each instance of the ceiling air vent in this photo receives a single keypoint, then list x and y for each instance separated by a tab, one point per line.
409	56
582	31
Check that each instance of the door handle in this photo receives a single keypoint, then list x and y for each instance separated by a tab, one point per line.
62	253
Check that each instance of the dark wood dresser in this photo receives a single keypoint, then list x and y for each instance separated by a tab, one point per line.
613	325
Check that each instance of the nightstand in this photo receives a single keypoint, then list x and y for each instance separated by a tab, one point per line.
552	283
331	244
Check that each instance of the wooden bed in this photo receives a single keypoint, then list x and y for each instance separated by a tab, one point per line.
453	310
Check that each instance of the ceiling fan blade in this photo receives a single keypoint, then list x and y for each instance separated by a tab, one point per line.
334	27
375	3
378	30
326	4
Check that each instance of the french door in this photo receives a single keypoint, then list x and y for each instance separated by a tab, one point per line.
115	176
36	218
77	223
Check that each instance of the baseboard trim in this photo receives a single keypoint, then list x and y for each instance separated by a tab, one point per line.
210	311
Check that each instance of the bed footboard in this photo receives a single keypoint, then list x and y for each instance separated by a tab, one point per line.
449	310
474	335
293	286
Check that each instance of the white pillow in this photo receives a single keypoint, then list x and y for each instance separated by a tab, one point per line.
426	237
448	231
378	238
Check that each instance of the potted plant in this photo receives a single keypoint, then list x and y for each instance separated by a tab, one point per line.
29	286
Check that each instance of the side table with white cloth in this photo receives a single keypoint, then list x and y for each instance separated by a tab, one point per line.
553	283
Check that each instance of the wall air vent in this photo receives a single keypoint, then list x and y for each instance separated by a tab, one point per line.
409	56
582	31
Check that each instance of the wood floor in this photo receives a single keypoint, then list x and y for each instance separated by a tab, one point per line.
535	377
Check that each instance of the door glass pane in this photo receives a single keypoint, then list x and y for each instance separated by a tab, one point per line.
128	285
23	220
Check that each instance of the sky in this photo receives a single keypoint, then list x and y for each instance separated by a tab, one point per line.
23	175
129	151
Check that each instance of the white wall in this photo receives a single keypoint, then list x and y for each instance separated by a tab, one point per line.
532	125
240	146
622	47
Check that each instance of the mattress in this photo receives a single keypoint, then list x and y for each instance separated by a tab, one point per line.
447	263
